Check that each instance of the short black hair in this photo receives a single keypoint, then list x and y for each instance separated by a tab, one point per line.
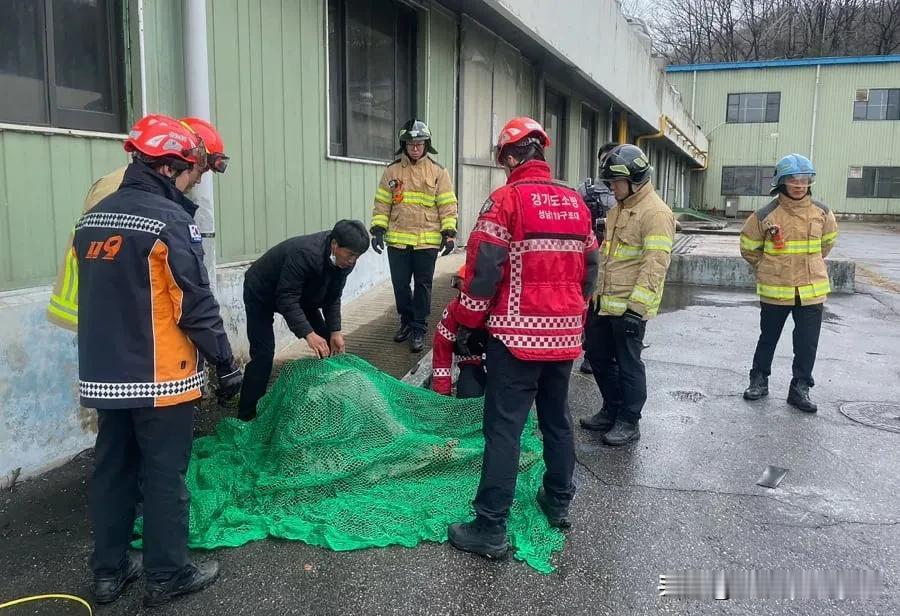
351	234
606	148
523	153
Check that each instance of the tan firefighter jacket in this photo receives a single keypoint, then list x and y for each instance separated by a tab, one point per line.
635	255
414	203
797	269
63	307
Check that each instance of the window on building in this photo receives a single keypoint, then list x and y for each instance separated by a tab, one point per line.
881	104
588	152
371	73
754	107
874	182
555	125
59	63
747	181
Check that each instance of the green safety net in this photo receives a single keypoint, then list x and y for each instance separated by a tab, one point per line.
344	456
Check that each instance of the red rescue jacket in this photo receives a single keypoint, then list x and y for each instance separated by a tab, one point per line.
442	352
532	263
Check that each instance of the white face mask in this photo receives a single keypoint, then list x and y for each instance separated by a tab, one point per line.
333	259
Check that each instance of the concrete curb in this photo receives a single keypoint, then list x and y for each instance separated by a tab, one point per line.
735	273
420	374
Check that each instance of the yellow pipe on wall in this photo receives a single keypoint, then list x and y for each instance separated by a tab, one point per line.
623	127
663	120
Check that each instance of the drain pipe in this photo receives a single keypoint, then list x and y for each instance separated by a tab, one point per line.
196	77
815	111
143	56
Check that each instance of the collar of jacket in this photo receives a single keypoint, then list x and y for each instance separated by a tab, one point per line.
406	161
792	204
530	170
139	175
639	195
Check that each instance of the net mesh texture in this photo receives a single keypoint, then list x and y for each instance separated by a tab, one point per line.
344	456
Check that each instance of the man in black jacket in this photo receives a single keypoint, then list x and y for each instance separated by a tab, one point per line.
301	278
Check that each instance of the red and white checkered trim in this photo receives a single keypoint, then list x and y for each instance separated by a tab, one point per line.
515	283
467	359
519	341
546	244
475	305
494	230
441	373
517	321
446	333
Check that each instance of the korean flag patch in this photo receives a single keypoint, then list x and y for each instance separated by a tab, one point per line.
196	238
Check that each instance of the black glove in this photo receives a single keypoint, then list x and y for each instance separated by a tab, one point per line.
228	379
470	341
377	239
634	324
448	243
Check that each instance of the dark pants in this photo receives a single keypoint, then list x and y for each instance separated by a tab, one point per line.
261	335
618	368
151	445
807	325
513	386
471	382
416	265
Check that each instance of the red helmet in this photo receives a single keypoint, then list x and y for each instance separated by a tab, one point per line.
159	136
215	147
522	131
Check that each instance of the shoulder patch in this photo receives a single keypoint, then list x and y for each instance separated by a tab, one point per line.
767	209
196	236
821	206
486	206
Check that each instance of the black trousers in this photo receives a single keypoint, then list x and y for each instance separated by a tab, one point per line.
261	335
471	382
513	386
151	446
416	265
618	368
807	325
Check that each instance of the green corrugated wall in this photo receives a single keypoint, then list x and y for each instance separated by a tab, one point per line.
839	141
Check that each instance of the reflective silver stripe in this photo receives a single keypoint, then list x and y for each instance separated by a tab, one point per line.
125	391
545	244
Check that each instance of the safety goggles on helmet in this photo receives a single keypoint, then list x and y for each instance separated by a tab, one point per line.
217	162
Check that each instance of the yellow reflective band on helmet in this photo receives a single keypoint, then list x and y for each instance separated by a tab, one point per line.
446	198
448	224
613	305
380	220
750	244
658	242
829	238
795	247
383	196
623	169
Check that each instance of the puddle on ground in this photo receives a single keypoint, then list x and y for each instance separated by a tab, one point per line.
678	297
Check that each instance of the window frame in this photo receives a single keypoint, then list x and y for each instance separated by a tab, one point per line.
762	181
891	93
559	147
341	154
81	121
856	187
594	138
768	104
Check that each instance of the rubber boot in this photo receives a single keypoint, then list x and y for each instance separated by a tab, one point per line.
108	589
602	421
798	397
557	515
191	579
479	537
759	387
622	433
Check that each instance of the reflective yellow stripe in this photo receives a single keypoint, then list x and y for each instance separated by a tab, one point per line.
613	305
380	220
448	224
809	291
794	247
383	196
445	198
399	238
624	252
68	315
829	238
750	244
643	295
605	249
418	198
658	242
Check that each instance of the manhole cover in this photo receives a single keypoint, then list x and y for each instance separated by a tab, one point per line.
879	415
687	395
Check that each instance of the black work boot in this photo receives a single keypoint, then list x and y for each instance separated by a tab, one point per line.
585	367
108	589
417	342
557	515
192	578
759	387
602	421
622	433
479	537
798	397
403	332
